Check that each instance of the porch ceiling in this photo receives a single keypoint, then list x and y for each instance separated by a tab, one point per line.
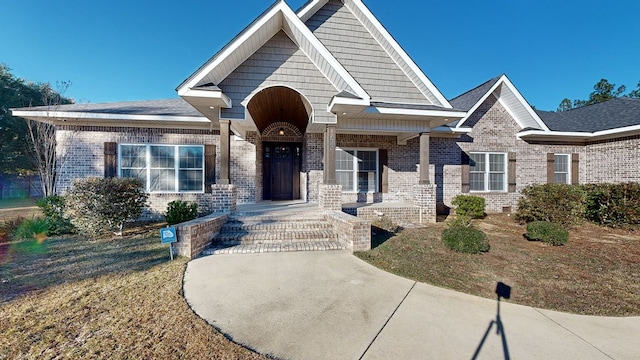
279	104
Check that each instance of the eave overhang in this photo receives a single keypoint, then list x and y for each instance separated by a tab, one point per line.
579	137
117	120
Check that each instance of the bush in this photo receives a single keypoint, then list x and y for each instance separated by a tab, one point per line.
469	205
547	232
98	205
613	204
557	203
465	239
179	211
53	208
32	229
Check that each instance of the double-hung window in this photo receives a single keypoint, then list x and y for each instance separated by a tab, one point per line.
487	171
561	169
357	169
164	168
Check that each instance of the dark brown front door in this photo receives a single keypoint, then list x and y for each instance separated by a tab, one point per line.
281	171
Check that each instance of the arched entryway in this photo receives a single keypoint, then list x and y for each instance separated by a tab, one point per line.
281	115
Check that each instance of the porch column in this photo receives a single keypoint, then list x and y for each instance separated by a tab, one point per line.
225	150
330	155
424	158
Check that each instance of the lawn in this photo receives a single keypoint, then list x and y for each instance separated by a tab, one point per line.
12	208
596	273
71	297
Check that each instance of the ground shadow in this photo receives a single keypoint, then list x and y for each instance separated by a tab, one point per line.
502	291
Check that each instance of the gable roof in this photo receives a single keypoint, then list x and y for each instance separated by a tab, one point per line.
278	17
608	115
387	43
507	94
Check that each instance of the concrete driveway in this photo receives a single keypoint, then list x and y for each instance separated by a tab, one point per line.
332	305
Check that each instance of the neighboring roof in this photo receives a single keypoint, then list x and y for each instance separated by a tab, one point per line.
468	99
507	94
165	107
608	115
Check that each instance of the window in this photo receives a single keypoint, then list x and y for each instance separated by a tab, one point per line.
561	169
357	170
164	168
487	172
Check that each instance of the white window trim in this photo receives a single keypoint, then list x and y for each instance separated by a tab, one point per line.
176	154
568	168
488	171
355	169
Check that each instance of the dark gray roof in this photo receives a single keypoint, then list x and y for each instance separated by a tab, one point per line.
611	114
347	94
167	107
468	99
411	106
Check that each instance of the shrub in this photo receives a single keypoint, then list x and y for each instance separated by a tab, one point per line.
32	229
53	208
465	239
547	232
97	205
180	211
613	204
557	203
469	205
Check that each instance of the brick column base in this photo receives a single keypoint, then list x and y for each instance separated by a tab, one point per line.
223	198
425	198
330	197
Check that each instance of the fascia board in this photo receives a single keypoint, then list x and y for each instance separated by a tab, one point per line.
232	47
403	54
523	102
309	9
453	115
294	20
479	102
223	99
581	135
104	116
340	101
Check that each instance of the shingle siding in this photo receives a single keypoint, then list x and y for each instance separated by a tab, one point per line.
362	56
278	62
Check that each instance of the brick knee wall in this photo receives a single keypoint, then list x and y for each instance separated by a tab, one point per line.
195	235
354	232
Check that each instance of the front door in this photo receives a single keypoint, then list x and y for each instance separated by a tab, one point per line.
281	171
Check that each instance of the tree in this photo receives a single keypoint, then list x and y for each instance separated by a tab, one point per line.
43	140
17	136
635	93
603	90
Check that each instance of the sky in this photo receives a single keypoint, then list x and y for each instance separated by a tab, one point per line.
121	50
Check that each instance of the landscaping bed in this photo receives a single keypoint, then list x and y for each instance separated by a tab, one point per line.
116	297
595	273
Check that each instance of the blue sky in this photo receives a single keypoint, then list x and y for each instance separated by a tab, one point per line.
122	50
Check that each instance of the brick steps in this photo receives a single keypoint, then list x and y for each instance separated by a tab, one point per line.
260	232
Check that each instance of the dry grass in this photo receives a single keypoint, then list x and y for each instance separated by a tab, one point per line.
596	273
107	298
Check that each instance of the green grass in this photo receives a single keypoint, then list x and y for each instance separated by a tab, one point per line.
70	297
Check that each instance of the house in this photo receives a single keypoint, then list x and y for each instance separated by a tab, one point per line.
323	105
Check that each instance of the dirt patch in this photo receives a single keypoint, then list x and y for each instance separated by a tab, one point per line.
595	273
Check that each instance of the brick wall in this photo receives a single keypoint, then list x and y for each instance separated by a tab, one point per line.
195	235
81	155
352	231
613	161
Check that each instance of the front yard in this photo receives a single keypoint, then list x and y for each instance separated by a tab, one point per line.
596	273
109	298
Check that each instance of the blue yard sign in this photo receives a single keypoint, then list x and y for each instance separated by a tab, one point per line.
168	236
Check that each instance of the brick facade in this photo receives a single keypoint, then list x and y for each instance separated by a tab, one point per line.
81	151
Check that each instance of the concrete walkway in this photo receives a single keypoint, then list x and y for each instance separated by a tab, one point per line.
331	305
